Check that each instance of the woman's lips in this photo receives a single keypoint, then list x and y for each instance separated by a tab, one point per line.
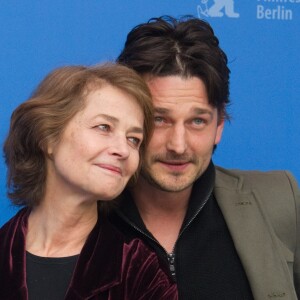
111	168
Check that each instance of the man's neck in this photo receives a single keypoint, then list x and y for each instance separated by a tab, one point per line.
162	212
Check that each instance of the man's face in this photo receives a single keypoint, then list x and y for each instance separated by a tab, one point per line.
186	129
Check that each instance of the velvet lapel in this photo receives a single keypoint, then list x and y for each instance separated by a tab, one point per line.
254	239
96	271
12	257
103	243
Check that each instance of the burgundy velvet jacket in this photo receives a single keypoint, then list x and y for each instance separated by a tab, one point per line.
107	267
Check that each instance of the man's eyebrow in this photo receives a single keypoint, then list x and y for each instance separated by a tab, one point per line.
197	110
201	111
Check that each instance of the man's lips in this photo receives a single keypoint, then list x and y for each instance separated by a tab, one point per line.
175	165
110	168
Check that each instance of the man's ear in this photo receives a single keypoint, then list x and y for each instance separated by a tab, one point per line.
219	132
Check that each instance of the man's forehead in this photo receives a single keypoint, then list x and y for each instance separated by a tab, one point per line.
176	88
174	82
196	109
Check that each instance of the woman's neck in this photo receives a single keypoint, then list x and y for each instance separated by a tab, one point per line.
59	228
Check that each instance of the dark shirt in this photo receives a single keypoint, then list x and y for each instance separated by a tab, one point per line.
204	262
107	268
48	278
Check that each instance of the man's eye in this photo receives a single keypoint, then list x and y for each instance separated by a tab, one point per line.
104	127
134	141
198	121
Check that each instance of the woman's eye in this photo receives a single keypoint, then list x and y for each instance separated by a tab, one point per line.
158	120
135	141
104	127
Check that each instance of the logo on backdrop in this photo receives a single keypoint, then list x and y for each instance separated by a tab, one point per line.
275	10
282	10
217	8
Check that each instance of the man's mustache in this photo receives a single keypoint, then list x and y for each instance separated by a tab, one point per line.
169	156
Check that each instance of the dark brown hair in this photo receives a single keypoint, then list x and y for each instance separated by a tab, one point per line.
42	118
187	47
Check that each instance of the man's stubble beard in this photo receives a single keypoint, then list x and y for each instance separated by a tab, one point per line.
176	185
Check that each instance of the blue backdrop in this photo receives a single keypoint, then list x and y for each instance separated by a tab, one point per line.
260	37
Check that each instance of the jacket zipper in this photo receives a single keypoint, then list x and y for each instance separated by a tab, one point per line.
170	256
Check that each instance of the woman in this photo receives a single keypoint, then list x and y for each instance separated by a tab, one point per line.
77	140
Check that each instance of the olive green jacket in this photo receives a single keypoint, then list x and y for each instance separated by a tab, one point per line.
261	210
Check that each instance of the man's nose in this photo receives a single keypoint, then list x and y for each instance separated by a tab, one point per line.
176	140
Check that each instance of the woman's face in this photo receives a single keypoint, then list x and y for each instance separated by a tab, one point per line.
99	148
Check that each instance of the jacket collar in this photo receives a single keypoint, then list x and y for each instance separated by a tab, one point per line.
103	242
202	189
261	253
92	258
12	257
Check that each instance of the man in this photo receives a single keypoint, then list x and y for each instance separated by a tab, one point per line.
223	234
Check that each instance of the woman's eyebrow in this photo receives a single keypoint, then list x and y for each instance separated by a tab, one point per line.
110	118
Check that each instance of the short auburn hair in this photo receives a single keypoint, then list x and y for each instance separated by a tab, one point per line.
43	117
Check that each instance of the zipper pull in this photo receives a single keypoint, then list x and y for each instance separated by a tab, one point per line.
171	260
